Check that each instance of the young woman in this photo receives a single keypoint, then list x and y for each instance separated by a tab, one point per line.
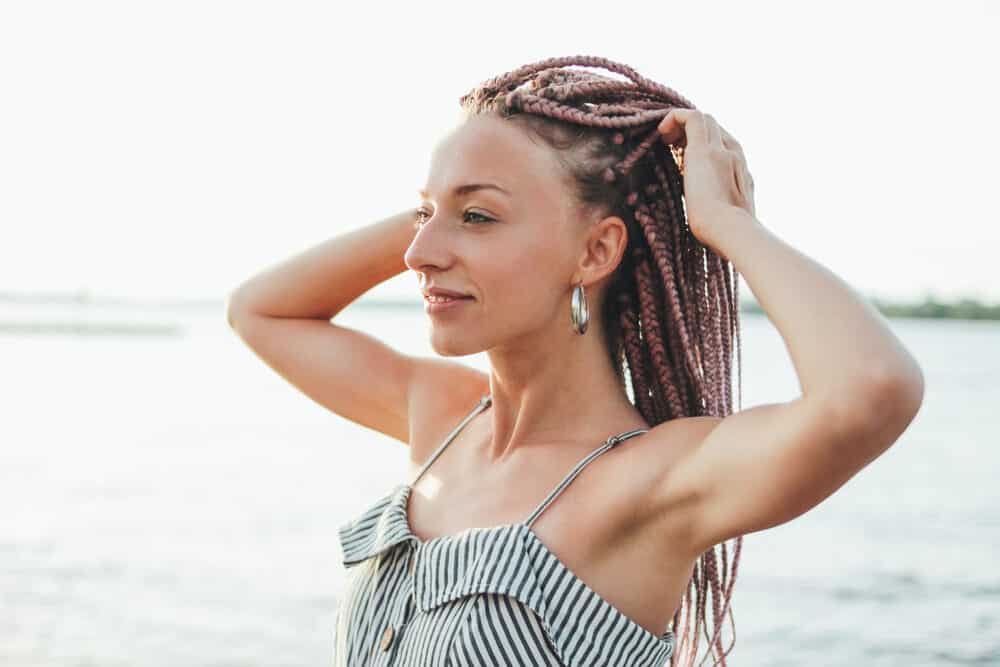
565	196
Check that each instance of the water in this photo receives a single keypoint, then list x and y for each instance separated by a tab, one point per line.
168	499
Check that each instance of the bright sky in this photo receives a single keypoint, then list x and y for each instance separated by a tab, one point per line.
173	149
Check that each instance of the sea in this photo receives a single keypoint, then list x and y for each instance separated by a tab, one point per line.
167	499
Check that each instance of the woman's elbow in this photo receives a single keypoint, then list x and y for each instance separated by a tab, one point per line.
894	396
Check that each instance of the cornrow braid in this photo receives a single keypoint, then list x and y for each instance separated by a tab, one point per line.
670	312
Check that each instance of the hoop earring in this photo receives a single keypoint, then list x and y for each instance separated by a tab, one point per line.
579	312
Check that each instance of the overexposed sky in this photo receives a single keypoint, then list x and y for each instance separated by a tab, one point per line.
173	149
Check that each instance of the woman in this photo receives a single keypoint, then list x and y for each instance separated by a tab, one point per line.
557	196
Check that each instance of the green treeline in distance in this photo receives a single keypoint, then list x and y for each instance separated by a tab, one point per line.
963	309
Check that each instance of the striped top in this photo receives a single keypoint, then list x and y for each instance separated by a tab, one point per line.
485	596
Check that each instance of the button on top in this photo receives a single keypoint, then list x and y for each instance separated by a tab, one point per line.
387	636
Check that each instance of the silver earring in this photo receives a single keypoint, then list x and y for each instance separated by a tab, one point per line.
579	312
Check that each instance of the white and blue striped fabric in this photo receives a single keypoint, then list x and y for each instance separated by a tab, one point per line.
485	596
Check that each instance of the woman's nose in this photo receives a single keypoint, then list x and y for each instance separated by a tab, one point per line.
427	247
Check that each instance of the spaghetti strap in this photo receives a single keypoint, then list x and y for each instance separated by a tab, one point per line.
608	444
484	403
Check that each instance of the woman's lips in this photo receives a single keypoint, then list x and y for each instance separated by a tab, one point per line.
433	307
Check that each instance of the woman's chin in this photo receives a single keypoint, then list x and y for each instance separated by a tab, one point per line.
448	344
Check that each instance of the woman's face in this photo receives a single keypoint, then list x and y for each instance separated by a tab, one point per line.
513	247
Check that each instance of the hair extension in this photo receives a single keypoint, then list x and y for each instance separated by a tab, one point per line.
670	310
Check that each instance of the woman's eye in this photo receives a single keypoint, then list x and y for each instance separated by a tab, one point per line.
482	217
419	218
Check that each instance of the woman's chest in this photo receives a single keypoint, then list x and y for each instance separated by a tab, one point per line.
589	529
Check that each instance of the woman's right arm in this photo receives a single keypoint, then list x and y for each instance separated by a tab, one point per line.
283	314
321	281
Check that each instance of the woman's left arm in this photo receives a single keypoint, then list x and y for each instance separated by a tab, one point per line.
765	465
842	348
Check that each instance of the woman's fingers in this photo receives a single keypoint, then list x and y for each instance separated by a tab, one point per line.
729	141
733	182
712	130
683	126
745	185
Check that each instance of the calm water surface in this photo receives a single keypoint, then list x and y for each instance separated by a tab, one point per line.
170	500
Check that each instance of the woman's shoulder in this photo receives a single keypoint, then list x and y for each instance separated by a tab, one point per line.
670	441
658	499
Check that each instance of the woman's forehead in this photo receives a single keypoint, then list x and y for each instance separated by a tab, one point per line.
490	152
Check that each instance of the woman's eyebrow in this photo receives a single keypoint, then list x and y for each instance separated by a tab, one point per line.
467	189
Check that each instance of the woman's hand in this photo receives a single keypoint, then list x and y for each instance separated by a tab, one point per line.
716	179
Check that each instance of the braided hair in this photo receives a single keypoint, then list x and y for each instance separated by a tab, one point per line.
670	311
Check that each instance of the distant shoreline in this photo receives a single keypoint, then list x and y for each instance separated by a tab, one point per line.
928	307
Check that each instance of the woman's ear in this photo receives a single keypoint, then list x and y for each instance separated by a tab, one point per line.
604	246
